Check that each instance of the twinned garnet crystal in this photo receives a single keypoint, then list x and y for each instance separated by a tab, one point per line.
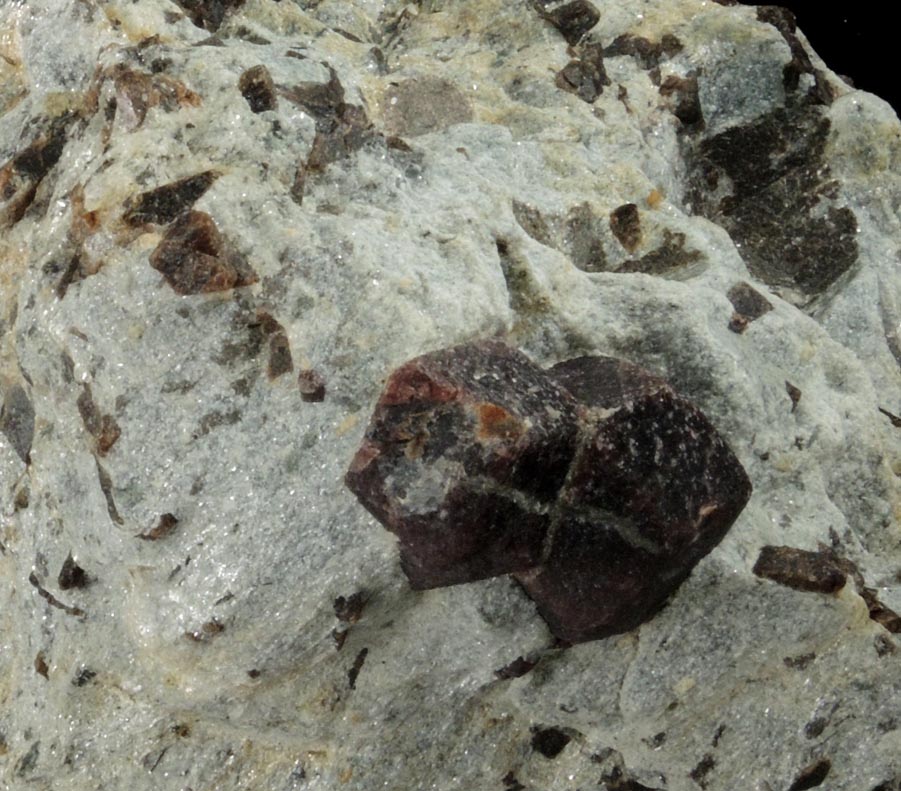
591	482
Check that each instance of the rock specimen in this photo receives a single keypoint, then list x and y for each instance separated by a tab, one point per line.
592	481
407	176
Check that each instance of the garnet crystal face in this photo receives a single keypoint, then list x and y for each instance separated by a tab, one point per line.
591	481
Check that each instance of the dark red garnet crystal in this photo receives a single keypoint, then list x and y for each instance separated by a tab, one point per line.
591	482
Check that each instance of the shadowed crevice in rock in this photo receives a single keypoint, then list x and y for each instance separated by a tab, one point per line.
591	481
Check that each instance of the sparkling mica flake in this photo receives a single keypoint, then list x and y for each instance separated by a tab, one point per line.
591	481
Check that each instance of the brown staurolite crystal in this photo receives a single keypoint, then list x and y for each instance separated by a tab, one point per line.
195	259
592	481
467	450
651	490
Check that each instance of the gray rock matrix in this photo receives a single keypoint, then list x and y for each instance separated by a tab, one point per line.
223	223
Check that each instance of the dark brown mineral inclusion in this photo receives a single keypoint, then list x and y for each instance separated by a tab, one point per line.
257	88
164	204
195	258
591	482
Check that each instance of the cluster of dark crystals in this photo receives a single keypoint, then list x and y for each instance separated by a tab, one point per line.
591	481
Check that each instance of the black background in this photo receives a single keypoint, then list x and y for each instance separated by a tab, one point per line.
856	40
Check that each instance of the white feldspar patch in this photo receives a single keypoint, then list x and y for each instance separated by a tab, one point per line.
213	657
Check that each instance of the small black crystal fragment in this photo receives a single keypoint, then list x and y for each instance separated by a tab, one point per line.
647	53
812	775
516	669
311	384
164	526
341	127
799	662
893	419
702	769
349	609
71	575
280	359
800	569
625	223
21	176
550	741
104	428
794	394
354	671
511	783
684	90
17	421
209	14
670	256
84	676
749	306
585	76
